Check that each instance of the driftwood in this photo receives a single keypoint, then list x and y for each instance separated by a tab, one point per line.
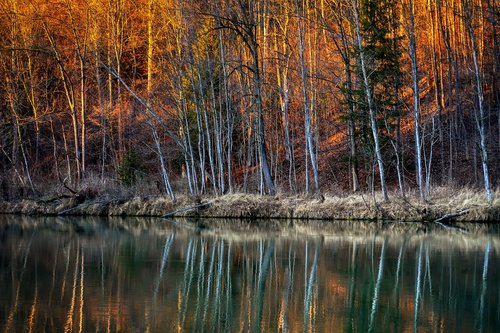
69	210
186	209
443	219
55	198
450	216
83	206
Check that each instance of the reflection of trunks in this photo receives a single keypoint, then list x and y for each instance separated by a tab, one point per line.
130	274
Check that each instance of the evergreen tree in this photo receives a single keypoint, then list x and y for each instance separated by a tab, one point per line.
382	51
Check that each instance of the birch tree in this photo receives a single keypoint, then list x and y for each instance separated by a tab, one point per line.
410	27
305	92
369	99
479	114
243	19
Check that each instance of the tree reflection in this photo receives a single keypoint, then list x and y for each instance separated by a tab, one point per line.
199	282
484	284
310	282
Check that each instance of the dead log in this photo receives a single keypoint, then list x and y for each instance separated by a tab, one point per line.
83	205
55	198
449	216
442	221
186	209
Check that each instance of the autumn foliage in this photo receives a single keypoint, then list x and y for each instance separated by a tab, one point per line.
258	96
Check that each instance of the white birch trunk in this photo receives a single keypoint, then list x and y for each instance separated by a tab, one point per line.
373	117
416	96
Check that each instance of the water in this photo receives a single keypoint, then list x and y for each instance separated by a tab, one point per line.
132	275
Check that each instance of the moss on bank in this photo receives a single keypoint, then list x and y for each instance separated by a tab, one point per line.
332	207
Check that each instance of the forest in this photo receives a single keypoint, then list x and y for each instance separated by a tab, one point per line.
198	97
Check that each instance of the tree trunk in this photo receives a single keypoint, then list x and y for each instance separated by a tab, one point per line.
309	141
264	165
207	132
229	116
480	118
166	180
416	96
371	107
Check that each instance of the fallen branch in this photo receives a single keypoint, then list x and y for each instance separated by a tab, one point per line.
186	209
452	215
69	188
58	197
83	206
69	210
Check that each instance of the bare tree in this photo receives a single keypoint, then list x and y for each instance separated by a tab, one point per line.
369	98
305	92
243	19
410	27
468	11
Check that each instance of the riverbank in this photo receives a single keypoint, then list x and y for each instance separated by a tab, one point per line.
465	205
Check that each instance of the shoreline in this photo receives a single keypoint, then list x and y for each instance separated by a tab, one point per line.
461	207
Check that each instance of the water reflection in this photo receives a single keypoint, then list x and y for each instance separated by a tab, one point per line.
104	276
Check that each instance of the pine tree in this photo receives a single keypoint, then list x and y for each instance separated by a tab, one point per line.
379	28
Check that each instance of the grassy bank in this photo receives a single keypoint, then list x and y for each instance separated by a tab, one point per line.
448	205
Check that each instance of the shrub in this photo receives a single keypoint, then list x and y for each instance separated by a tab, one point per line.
130	168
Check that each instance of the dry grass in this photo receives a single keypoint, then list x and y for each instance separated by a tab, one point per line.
357	206
238	205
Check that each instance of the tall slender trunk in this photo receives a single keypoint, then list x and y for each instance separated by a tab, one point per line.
188	147
436	66
217	116
480	118
66	153
309	141
24	156
186	136
30	94
452	84
164	173
70	97
201	132
149	86
83	118
229	116
345	50
207	131
118	25
352	129
416	96
102	110
121	147
54	149
371	107
282	68
428	161
261	139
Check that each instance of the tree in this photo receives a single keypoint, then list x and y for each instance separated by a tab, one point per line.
243	19
369	99
480	114
410	27
305	92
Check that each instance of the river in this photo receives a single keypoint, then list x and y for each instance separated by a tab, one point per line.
149	275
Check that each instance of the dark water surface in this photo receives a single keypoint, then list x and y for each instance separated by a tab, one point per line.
132	275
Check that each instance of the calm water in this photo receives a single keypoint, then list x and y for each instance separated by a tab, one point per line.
136	275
